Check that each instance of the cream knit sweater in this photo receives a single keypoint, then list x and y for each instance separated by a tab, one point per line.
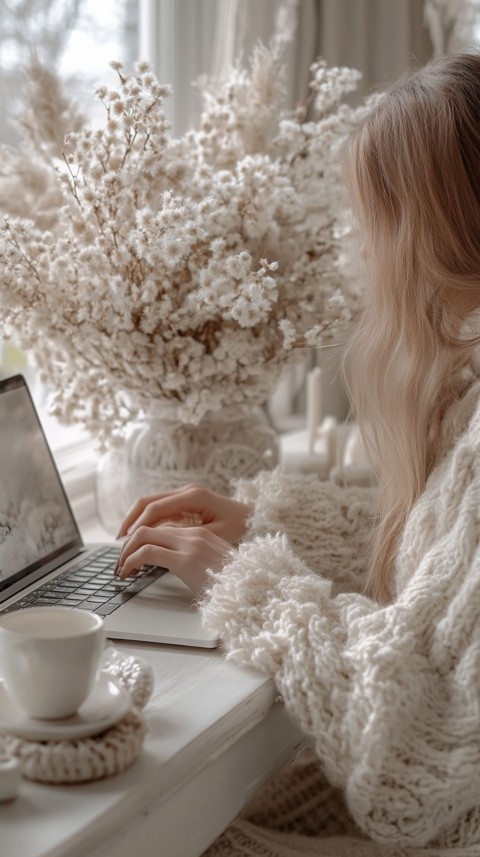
389	697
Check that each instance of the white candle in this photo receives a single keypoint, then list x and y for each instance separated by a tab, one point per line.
314	405
10	776
354	455
329	431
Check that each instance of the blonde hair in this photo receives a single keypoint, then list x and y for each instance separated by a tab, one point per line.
413	172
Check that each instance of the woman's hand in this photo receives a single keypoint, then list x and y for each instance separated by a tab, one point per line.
187	531
191	505
186	551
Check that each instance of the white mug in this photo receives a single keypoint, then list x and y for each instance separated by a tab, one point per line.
49	658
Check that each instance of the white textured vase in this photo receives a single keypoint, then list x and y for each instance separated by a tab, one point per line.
162	453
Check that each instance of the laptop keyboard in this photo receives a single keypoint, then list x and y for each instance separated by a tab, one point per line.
88	584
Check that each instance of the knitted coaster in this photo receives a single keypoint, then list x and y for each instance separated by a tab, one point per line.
93	758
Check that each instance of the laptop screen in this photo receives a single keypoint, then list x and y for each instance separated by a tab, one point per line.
36	522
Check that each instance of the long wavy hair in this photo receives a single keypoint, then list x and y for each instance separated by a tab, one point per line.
413	172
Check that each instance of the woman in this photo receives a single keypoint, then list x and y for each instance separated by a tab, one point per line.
374	644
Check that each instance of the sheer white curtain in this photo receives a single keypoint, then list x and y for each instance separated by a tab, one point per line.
453	24
178	38
379	37
242	23
184	39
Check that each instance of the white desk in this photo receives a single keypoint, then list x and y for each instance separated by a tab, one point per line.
216	733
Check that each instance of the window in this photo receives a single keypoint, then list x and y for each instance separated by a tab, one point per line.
77	38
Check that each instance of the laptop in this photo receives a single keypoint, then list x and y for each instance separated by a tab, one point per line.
43	559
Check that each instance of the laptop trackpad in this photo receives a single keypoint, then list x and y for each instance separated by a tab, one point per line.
163	612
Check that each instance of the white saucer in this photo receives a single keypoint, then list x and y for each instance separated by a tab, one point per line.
107	703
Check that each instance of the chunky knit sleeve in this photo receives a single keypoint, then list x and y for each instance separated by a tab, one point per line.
390	696
327	525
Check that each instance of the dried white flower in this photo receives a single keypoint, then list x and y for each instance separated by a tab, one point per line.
184	269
